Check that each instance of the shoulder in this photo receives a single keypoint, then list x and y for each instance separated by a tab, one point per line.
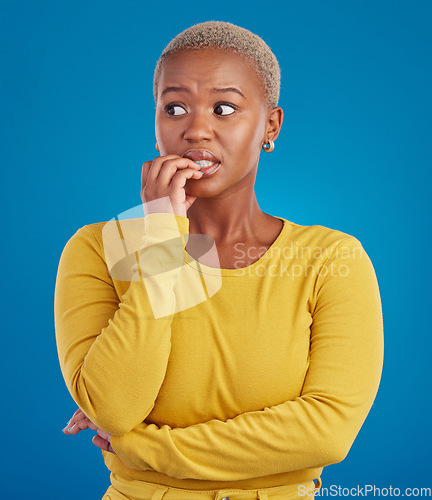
318	238
103	235
102	248
85	237
83	250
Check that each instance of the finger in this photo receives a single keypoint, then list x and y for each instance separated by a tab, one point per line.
81	425
76	417
156	166
180	178
144	173
150	172
103	434
101	443
189	201
170	168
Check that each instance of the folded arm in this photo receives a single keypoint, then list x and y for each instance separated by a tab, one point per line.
314	430
114	351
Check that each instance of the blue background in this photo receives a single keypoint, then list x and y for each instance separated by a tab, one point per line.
354	154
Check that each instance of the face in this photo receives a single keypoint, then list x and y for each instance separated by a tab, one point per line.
214	100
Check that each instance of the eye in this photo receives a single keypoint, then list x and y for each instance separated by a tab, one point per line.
175	110
223	109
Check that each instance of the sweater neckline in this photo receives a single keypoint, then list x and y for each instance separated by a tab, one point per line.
242	271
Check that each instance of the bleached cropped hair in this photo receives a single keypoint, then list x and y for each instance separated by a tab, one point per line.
228	36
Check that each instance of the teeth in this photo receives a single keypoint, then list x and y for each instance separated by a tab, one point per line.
206	163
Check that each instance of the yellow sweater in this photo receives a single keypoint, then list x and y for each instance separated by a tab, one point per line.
212	378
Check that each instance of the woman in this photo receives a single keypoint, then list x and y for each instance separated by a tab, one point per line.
235	364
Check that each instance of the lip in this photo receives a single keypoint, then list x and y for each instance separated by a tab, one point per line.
210	170
201	154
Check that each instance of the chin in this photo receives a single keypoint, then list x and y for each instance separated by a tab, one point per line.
200	191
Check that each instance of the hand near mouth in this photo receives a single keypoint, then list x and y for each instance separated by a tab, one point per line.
163	184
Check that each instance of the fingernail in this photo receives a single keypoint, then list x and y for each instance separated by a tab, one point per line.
200	172
198	164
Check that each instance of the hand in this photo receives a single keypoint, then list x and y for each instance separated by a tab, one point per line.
80	421
164	177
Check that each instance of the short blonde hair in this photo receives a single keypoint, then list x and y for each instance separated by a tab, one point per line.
228	36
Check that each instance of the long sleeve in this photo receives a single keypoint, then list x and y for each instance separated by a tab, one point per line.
113	351
313	430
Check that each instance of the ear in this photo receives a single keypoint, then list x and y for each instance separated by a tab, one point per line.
274	123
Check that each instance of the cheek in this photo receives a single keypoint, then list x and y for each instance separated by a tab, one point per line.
246	140
238	132
165	130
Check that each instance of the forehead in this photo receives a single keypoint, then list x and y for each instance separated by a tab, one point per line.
208	68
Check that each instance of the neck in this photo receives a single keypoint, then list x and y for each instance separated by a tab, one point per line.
226	219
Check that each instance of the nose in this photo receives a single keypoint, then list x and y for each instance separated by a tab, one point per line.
199	126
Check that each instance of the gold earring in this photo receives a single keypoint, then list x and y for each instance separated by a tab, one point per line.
269	148
157	147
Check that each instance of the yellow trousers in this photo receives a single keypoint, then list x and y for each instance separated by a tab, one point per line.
121	489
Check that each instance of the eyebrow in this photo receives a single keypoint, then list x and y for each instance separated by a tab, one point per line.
214	90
